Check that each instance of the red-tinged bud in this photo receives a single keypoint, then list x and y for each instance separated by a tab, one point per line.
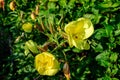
2	3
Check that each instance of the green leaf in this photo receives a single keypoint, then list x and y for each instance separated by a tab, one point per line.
103	59
116	4
108	70
63	3
117	32
53	0
104	78
98	48
26	78
109	29
115	79
114	70
71	3
76	50
113	57
51	6
104	63
103	56
100	33
105	4
118	26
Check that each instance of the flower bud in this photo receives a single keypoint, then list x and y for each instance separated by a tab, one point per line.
27	27
46	64
33	16
37	10
32	46
12	5
66	70
2	4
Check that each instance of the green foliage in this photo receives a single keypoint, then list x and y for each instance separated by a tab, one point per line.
100	62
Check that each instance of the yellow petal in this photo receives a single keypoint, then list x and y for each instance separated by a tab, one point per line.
74	27
70	40
75	30
82	45
89	29
51	72
69	27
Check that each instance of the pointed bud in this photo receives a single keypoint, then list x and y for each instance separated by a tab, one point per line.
17	39
66	70
12	5
33	16
37	10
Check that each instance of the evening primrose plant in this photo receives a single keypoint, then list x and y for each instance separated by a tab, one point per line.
36	31
78	32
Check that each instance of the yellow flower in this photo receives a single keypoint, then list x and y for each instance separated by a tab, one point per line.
27	27
78	31
46	64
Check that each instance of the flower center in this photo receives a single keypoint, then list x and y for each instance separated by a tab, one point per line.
76	37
